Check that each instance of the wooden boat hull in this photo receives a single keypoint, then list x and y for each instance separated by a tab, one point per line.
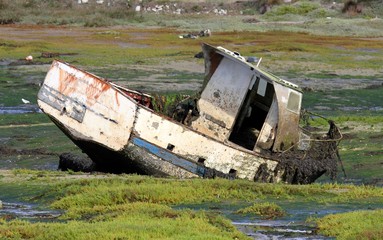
117	129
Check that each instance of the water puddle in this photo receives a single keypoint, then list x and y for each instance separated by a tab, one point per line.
264	229
292	226
10	211
20	109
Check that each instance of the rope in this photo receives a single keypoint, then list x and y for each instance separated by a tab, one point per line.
334	129
330	132
305	113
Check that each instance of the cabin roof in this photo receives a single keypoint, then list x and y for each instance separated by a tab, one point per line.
242	60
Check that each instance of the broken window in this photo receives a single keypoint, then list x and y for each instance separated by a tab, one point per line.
294	101
253	114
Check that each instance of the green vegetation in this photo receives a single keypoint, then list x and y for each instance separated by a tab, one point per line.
16	84
285	54
362	155
306	16
299	8
358	113
64	12
9	120
353	225
110	206
135	221
166	103
266	210
347	104
360	148
307	41
31	141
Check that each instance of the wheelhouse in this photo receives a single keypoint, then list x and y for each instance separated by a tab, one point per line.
246	106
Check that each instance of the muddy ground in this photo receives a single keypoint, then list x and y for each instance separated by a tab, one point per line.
164	76
26	144
341	78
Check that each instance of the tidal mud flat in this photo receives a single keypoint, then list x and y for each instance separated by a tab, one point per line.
30	141
27	132
28	145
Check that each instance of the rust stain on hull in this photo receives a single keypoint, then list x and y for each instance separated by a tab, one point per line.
244	124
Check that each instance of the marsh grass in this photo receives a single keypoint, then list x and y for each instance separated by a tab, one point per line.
21	119
353	225
167	103
347	104
87	193
31	141
362	154
360	148
311	13
147	221
64	12
135	46
110	206
299	8
20	82
265	210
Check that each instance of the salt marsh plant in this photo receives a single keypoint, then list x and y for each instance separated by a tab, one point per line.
265	210
353	225
142	207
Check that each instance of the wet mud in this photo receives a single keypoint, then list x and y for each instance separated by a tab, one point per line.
4	150
10	211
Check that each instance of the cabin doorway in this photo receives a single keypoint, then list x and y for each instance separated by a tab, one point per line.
253	114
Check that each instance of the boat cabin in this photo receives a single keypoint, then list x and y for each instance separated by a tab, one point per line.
246	106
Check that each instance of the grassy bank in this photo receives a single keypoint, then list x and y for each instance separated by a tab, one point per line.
110	207
353	225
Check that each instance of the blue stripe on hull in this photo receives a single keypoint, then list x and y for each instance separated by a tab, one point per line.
170	157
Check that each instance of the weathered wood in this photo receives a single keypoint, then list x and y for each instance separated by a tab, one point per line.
119	130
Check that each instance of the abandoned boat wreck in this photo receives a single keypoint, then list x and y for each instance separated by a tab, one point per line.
243	124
